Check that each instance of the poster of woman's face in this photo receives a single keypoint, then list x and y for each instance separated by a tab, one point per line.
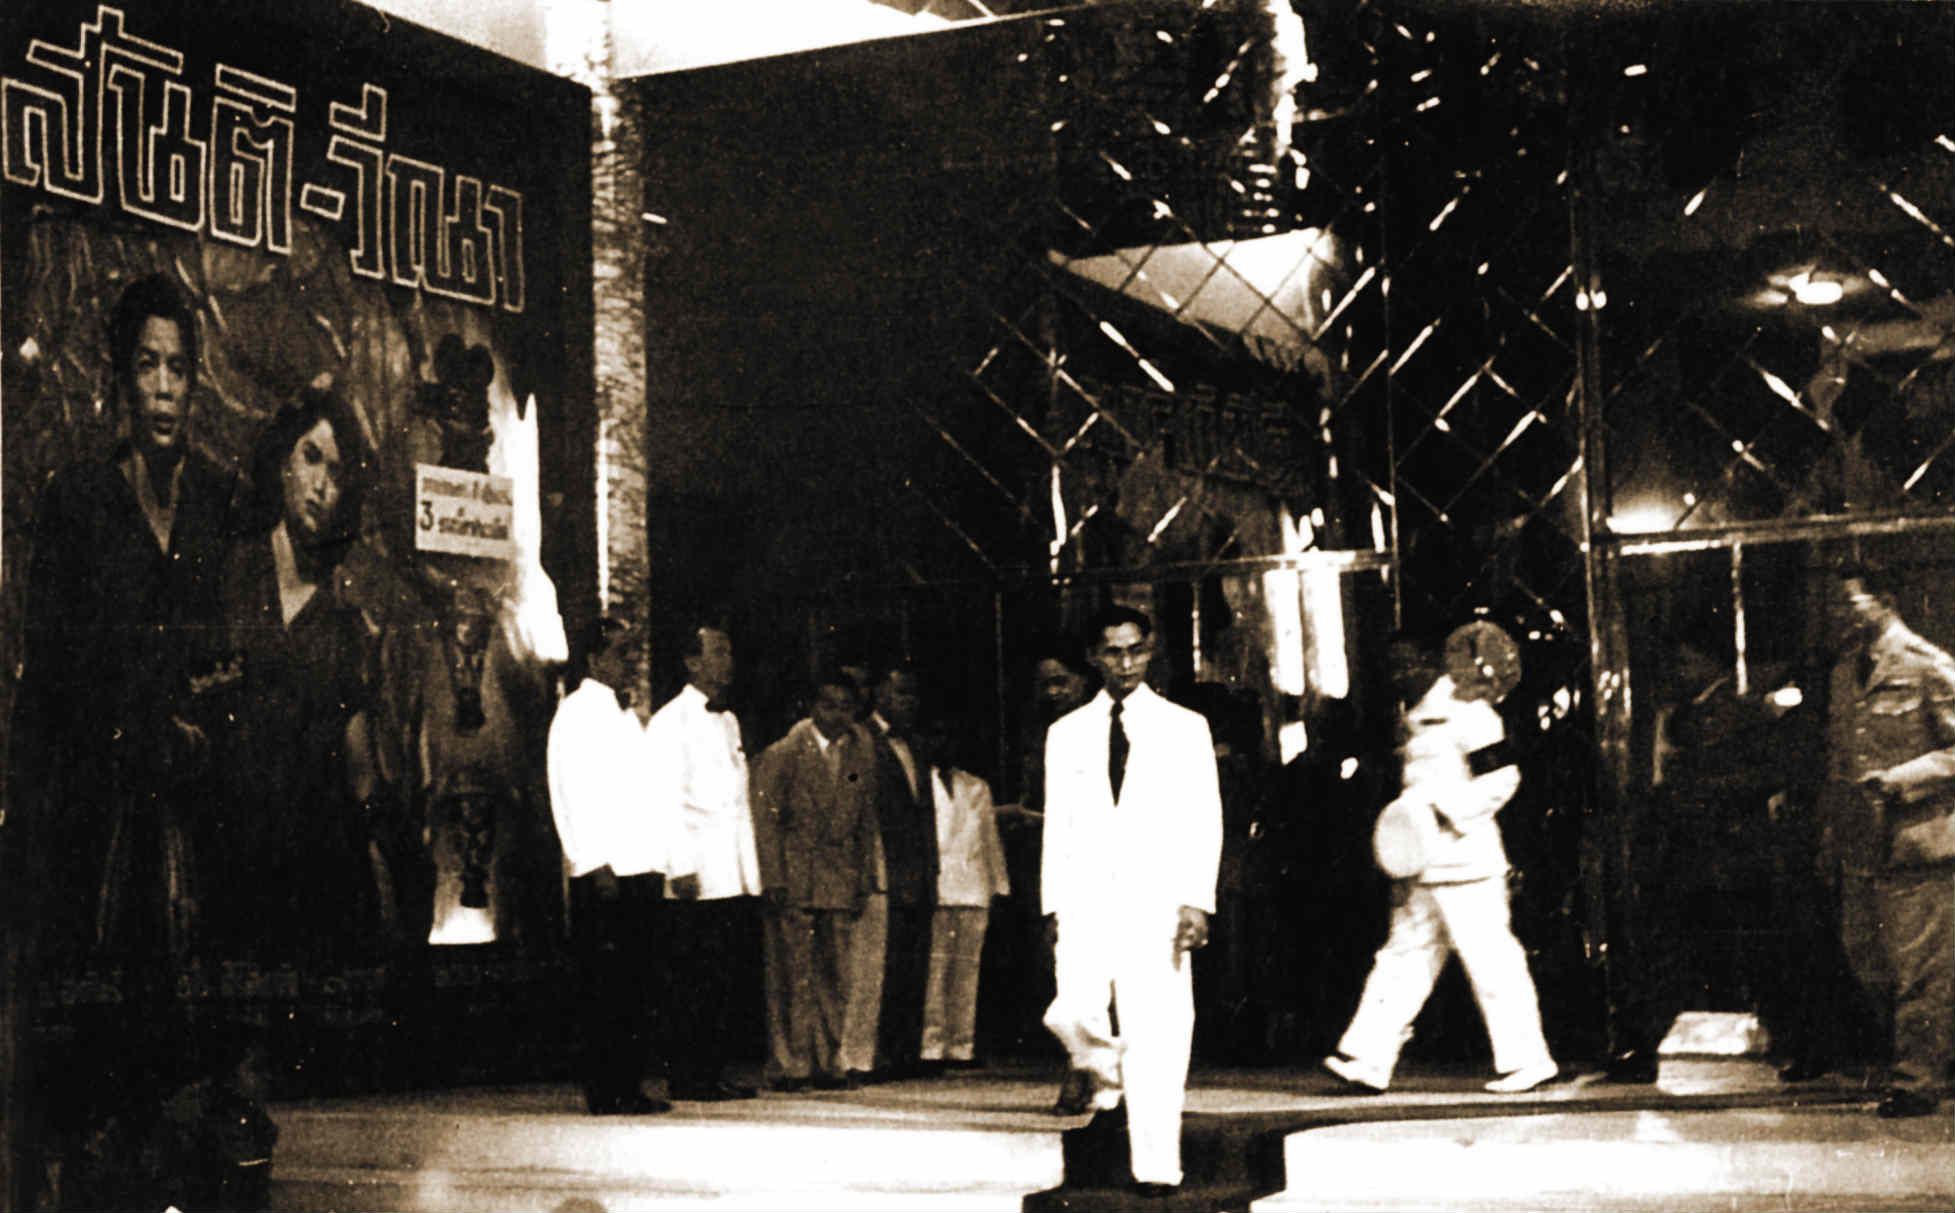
239	259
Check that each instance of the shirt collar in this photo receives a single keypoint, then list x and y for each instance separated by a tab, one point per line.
1142	697
696	700
598	692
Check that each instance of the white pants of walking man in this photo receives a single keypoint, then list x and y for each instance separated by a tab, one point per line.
1133	966
1429	922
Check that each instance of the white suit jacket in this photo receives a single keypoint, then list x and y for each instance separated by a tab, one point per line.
696	773
1157	849
602	818
970	855
1442	731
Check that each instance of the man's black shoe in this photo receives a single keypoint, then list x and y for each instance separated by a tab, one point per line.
1804	1069
787	1084
1075	1094
1900	1103
638	1104
1150	1190
710	1092
862	1078
836	1082
1634	1066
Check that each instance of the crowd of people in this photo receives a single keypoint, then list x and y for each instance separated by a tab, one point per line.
875	859
855	853
188	661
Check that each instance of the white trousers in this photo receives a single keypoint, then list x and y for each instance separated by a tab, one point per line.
862	985
1129	960
1429	923
950	997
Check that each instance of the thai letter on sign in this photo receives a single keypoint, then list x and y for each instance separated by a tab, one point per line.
467	513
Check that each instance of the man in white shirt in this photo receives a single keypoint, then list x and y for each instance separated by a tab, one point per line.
697	770
1133	839
970	872
617	847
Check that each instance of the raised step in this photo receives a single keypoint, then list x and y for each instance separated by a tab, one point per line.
1734	1159
530	1148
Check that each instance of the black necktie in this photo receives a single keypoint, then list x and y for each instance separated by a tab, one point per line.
1116	752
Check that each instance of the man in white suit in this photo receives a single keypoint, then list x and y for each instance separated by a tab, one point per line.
1133	837
696	772
1455	771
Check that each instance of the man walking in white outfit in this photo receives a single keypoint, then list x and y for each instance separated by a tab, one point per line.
1457	903
1133	837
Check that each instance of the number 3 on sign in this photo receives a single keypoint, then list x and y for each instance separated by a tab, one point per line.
427	514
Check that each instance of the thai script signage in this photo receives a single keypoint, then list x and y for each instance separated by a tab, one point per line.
112	120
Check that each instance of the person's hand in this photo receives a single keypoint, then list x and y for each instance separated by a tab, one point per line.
1051	930
685	888
605	881
1877	788
1190	933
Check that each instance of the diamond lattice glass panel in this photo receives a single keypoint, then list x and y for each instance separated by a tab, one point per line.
1482	318
1173	349
1780	266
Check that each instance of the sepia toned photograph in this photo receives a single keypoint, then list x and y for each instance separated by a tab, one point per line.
1278	605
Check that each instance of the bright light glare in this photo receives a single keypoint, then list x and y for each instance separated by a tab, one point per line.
1816	292
1642	520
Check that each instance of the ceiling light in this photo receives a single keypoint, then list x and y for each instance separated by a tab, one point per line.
1821	291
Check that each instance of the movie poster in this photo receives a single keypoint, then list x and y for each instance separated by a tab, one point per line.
295	354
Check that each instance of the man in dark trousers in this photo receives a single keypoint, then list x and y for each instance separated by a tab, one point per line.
697	770
815	829
617	845
908	822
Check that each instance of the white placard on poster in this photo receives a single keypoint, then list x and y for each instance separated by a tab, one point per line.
467	513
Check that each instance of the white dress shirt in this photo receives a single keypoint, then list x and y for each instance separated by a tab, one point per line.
595	760
698	778
970	856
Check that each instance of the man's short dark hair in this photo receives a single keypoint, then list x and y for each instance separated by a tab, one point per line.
1876	576
692	642
830	676
1108	618
890	669
595	639
151	295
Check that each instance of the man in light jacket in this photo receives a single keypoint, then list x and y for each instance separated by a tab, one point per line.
815	826
970	872
617	847
697	770
1133	837
1458	902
